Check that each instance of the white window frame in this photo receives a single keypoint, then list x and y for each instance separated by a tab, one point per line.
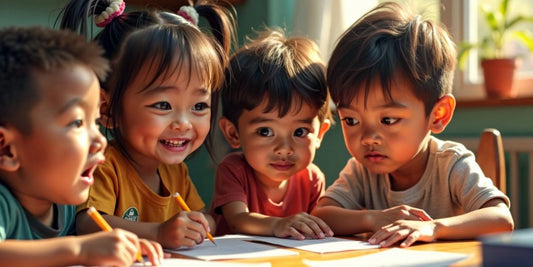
458	18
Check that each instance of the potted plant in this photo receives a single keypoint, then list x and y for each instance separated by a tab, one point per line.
498	68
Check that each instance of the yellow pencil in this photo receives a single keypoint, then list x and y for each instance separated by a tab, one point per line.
184	207
98	219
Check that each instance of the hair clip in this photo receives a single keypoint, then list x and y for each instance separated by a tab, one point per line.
189	13
115	9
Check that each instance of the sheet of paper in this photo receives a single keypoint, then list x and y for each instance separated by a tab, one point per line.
326	245
199	263
395	257
232	247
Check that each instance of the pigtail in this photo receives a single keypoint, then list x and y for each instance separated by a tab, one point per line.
82	16
222	28
77	13
222	24
221	21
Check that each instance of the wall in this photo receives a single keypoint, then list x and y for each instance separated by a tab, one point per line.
29	12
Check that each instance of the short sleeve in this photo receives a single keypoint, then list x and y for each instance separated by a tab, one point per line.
5	217
318	185
347	189
12	216
230	182
470	187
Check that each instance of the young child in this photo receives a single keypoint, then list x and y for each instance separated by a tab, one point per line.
390	76
276	108
49	148
157	109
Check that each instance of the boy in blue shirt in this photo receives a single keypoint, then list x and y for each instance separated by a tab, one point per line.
49	147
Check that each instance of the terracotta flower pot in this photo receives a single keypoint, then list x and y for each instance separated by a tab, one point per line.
499	76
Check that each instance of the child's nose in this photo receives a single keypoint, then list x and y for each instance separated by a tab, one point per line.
371	137
284	147
181	123
98	142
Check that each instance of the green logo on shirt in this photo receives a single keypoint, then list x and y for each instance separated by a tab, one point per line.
131	214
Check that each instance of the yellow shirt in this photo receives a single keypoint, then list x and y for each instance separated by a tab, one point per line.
118	190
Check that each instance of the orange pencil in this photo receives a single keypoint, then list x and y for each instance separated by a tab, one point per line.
98	219
184	207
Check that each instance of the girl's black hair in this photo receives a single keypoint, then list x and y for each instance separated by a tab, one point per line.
166	25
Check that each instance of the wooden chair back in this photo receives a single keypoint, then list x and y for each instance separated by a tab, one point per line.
490	157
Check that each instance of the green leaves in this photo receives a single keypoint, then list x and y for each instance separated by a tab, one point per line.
500	33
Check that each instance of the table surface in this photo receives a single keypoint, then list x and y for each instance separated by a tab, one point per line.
470	247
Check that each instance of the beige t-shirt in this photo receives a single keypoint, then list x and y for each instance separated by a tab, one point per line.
452	184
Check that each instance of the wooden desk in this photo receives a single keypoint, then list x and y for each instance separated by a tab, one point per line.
466	247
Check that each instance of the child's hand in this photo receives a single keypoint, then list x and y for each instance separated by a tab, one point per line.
115	248
153	250
381	218
407	230
301	225
183	229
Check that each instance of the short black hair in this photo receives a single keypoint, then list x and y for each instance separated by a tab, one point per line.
279	69
25	50
389	42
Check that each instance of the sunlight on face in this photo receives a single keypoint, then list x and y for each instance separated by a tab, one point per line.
386	136
167	121
60	154
277	148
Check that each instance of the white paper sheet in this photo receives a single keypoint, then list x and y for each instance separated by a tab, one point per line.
232	247
395	257
199	263
326	245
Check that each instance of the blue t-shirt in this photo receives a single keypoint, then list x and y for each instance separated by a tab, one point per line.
17	223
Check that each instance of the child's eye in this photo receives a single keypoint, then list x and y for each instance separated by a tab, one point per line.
200	106
389	121
350	121
265	131
301	132
76	123
162	105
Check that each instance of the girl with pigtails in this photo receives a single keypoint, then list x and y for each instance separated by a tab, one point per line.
157	107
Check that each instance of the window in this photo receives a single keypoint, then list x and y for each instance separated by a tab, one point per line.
459	16
464	23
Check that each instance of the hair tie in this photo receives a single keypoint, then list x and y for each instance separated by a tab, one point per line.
189	13
115	9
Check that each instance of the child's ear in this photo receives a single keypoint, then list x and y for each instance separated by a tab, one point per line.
230	132
442	113
324	127
104	110
8	156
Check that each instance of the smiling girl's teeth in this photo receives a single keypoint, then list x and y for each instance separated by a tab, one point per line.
174	142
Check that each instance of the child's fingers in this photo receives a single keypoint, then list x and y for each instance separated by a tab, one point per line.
318	227
382	234
311	228
199	218
412	238
195	232
294	233
153	250
421	214
131	246
324	227
397	235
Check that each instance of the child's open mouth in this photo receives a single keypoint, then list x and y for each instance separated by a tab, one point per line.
87	177
174	143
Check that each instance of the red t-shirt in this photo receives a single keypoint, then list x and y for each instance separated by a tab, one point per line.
235	181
